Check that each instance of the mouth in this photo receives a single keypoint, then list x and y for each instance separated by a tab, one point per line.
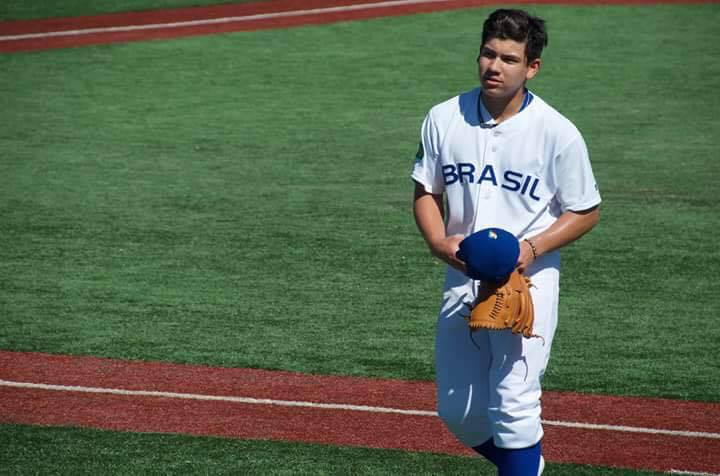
491	81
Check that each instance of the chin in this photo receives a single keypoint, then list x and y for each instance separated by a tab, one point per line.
493	91
499	92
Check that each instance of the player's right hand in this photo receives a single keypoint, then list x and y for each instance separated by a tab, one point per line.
446	250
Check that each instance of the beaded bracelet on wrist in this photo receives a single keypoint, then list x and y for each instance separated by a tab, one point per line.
532	247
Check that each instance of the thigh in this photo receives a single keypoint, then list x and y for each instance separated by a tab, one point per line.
462	363
461	358
518	365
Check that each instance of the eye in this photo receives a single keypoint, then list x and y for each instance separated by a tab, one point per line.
487	53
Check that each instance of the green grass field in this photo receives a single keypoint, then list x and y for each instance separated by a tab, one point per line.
24	10
244	199
92	452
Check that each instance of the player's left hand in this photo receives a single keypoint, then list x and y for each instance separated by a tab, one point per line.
526	257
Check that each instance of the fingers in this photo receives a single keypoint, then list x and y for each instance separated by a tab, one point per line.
525	258
447	248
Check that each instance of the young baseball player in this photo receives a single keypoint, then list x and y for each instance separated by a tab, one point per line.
500	156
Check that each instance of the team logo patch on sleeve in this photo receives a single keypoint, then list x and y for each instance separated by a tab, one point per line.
420	153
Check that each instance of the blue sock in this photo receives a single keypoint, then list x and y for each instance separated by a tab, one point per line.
520	462
489	451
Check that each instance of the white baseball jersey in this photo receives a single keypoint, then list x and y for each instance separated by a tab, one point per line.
519	175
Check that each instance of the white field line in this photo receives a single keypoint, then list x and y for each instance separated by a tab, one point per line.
217	21
334	406
632	429
692	473
217	398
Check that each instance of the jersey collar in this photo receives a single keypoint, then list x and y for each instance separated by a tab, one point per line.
487	121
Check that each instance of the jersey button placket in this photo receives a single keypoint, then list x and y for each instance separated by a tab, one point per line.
495	146
487	187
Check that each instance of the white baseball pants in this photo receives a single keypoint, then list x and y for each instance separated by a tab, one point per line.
488	382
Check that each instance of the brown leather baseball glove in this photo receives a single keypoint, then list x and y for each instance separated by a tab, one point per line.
504	305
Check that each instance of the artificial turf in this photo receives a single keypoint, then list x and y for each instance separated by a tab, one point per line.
244	199
55	451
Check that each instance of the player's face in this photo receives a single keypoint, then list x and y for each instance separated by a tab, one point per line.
504	69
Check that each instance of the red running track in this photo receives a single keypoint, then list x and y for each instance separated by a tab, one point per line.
172	23
694	446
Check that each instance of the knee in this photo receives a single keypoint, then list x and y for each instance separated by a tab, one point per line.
452	414
469	425
517	427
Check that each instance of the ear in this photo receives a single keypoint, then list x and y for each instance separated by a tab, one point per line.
533	68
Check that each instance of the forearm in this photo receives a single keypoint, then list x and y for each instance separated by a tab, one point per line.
429	218
428	209
567	228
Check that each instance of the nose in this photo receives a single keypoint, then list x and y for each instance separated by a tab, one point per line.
494	64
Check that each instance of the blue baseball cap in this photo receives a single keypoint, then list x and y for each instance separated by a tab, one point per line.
490	254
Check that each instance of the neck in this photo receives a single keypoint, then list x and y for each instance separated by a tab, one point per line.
502	109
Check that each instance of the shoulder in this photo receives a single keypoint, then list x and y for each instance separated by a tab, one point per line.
554	125
553	118
446	111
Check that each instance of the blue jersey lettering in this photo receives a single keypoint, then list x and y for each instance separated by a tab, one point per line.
466	170
533	188
488	173
510	181
464	173
449	174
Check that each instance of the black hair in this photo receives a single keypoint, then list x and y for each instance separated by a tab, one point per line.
517	25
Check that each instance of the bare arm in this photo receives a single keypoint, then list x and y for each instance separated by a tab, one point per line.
569	227
429	217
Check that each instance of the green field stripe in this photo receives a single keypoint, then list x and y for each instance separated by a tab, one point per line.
54	450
